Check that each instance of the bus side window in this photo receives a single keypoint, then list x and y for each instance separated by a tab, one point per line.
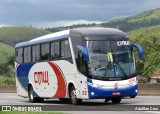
37	56
66	51
27	54
55	50
34	53
19	55
45	55
62	49
81	64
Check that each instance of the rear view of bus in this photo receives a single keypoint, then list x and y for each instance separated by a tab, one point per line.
101	66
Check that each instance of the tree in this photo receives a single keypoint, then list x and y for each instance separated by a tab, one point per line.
150	42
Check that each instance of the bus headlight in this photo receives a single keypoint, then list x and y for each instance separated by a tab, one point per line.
136	91
92	93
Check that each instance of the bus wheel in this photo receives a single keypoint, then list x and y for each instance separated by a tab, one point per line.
64	100
106	100
132	96
30	94
38	99
73	96
33	99
116	100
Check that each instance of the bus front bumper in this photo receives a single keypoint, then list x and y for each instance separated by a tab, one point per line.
98	93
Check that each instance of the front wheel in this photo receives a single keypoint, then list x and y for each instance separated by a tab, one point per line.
73	96
132	96
116	100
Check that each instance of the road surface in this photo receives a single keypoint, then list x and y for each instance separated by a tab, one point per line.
142	104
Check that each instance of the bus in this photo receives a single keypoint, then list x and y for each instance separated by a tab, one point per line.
77	64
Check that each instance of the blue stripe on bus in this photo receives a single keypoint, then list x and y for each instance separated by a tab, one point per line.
102	94
22	74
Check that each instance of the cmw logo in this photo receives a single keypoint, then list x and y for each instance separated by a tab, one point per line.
120	43
41	77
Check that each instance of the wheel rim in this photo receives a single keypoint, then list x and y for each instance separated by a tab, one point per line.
73	95
31	95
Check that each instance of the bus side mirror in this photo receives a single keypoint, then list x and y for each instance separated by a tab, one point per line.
85	52
140	51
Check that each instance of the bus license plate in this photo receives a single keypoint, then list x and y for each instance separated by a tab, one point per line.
116	93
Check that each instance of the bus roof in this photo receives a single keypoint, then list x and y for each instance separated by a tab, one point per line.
67	33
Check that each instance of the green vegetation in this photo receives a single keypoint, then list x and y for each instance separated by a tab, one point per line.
145	30
7	72
149	39
7	81
13	35
6	51
15	112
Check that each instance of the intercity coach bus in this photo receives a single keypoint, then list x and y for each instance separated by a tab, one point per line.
77	64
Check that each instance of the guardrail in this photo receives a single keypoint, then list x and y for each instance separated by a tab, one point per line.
7	89
149	89
143	89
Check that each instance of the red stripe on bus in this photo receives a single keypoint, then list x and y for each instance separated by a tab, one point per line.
61	90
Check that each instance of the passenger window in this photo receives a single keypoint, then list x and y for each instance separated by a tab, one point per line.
37	52
33	53
19	55
55	50
27	54
62	49
45	55
65	50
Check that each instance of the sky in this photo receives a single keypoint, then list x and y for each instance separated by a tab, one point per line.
55	13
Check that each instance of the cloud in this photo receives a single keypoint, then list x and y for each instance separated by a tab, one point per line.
47	12
63	23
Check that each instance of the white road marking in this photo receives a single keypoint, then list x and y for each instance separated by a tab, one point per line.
153	112
3	101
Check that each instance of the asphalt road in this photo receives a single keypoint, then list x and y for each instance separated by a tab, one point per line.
142	104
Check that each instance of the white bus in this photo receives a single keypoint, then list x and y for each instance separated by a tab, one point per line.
77	64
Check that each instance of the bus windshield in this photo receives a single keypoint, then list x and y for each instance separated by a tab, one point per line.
110	59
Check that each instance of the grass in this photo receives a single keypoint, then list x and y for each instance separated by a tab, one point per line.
155	29
6	51
7	81
12	112
13	35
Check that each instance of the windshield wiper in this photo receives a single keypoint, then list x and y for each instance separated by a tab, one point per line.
121	69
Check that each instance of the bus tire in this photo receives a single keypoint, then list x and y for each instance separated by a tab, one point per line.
64	100
33	99
39	99
73	96
132	96
31	94
106	100
116	100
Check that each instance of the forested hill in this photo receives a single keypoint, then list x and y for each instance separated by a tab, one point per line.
13	35
145	19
